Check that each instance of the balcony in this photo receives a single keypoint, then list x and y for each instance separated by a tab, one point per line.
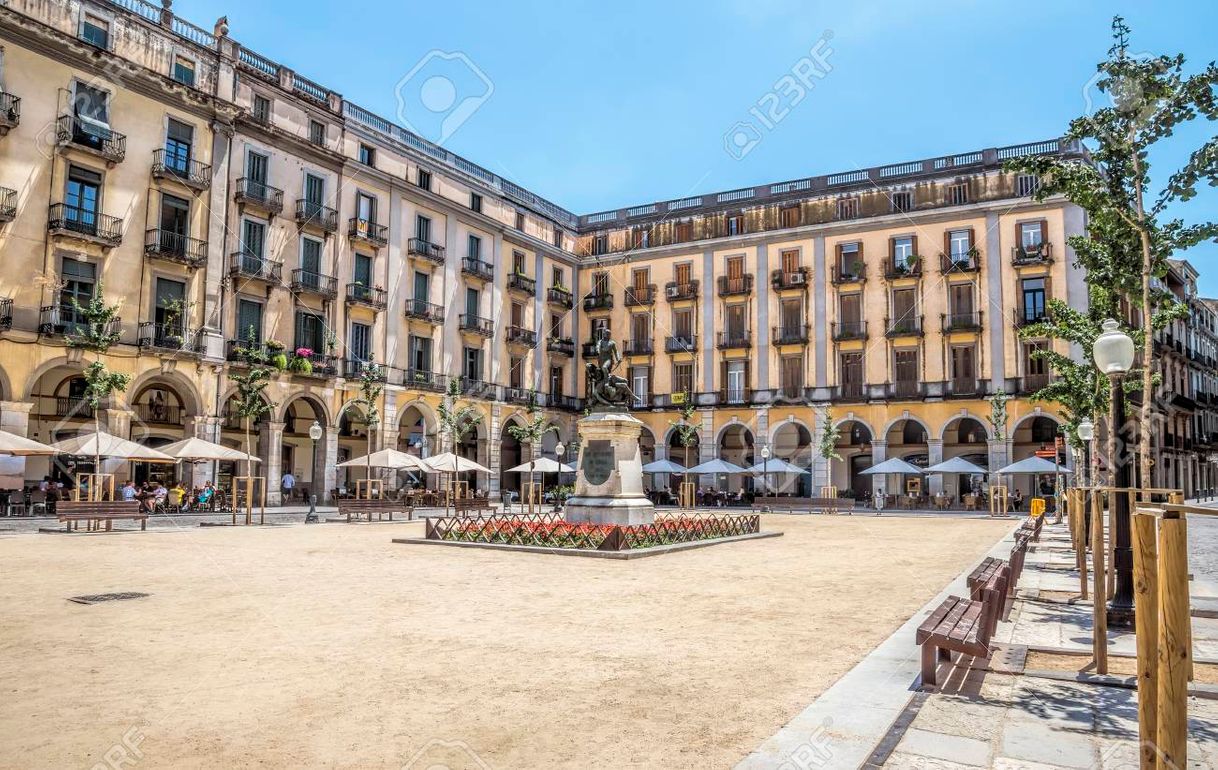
678	292
735	287
10	112
789	335
373	297
476	268
85	225
312	214
849	330
159	414
258	195
354	368
968	262
92	137
1022	317
964	387
734	396
368	231
317	284
168	337
850	391
477	388
425	379
596	302
417	247
855	274
484	327
639	296
6	313
321	364
174	247
785	280
62	320
734	340
561	346
253	267
909	268
560	298
73	406
906	389
962	322
422	310
522	337
907	326
588	349
191	173
522	284
1031	383
8	205
642	347
236	351
517	395
681	344
1041	254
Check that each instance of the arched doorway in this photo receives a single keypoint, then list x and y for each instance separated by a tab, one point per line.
966	438
59	410
854	447
736	446
233	434
299	455
792	443
511	454
1033	433
908	439
353	442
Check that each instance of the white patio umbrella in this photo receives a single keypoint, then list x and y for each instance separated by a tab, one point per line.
541	465
663	466
20	446
388	458
716	466
201	450
1035	465
107	445
892	465
451	463
775	465
956	465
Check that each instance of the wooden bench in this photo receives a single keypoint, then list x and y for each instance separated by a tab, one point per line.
465	504
810	504
1034	525
358	508
95	514
962	625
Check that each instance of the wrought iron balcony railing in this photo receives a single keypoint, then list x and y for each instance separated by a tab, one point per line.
908	268
425	379
562	346
522	284
676	292
245	265
73	221
175	247
962	322
369	296
260	195
849	274
734	340
477	268
735	287
159	413
309	282
560	297
789	335
1022	317
162	336
477	325
171	165
639	347
1041	254
6	313
850	391
8	204
849	330
637	296
313	214
783	280
10	110
426	249
967	262
94	137
681	344
424	311
594	302
63	320
368	231
906	326
518	335
356	367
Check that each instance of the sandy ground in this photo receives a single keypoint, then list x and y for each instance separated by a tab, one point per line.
330	646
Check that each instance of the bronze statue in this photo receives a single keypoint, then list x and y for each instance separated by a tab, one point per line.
606	389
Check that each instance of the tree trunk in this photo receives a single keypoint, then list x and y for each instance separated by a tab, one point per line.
1148	343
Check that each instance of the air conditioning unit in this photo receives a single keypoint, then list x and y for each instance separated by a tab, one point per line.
797	278
673	292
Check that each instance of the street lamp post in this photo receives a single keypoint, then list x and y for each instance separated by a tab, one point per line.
765	468
1114	353
314	436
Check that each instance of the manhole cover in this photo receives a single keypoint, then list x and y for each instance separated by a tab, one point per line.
95	598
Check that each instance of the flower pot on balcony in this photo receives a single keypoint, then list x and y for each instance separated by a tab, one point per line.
280	361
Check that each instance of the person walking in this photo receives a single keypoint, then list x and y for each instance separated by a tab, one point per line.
289	483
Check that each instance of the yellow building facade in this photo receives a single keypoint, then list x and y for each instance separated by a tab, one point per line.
221	197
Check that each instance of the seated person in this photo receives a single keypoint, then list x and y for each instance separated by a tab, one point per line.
177	497
205	495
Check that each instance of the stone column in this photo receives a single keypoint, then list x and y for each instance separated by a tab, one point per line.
493	428
212	335
822	467
328	448
879	453
15	418
117	421
934	456
998	456
270	439
206	428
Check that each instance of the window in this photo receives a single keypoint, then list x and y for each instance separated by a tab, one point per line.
557	277
905	366
95	30
515	372
734	224
314	193
789	216
847	208
901	201
423	179
420	353
792	315
790	261
175	224
249	320
903	254
959	244
1026	185
422	287
681	274
518	263
555	325
362	270
367	155
517	314
736	320
92	108
253	240
642	238
600	284
365	208
184	71
520	220
474	250
640	383
600	245
1034	364
310	262
964	368
359	346
735	380
422	228
684	231
261	109
475	202
957	194
683	324
82	199
1031	236
472	302
558	237
640	328
904	309
256	168
79	280
851	313
683	378
791	372
850	260
178	140
472	364
317	133
961	303
556	381
1033	299
310	331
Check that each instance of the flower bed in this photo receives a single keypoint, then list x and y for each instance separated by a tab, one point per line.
552	531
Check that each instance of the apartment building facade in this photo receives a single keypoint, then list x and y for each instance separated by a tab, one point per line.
226	200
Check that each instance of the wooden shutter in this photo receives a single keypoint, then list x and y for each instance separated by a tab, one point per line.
723	376
972	239
1044	231
913	244
947	243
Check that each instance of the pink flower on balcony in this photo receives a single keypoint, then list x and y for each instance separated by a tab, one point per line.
304	352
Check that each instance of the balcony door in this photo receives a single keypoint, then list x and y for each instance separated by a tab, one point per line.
736	321
422	228
852	313
253	240
640	330
310	332
683	324
169	312
360	343
365	207
556	381
964	369
79	282
472	364
249	320
961	302
310	263
735	379
905	374
852	374
175	224
1033	290
790	261
471	304
422	288
362	273
792	318
178	140
257	169
792	373
682	274
640	383
314	192
420	353
82	199
904	308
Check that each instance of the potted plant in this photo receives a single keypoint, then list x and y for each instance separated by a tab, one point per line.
278	358
856	269
301	361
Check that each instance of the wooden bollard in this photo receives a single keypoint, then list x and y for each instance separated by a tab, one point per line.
1099	633
1081	543
1174	653
1146	630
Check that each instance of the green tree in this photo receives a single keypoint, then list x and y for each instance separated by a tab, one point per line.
533	431
97	332
686	429
828	438
1131	236
455	421
371	384
249	403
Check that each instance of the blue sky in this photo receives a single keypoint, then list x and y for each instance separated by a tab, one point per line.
597	105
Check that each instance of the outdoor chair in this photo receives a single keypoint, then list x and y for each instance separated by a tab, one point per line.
38	499
16	504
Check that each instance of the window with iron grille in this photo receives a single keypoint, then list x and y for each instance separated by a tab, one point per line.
902	201
957	195
1026	184
317	132
847	208
423	179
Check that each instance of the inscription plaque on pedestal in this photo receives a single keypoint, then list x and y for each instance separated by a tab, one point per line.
599	461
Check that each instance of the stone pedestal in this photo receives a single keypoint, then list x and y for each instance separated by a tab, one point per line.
609	480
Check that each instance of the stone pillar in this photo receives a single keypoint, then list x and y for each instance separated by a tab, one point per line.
934	456
609	480
212	335
15	418
999	455
208	429
493	429
117	421
707	449
328	448
879	453
822	467
270	439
